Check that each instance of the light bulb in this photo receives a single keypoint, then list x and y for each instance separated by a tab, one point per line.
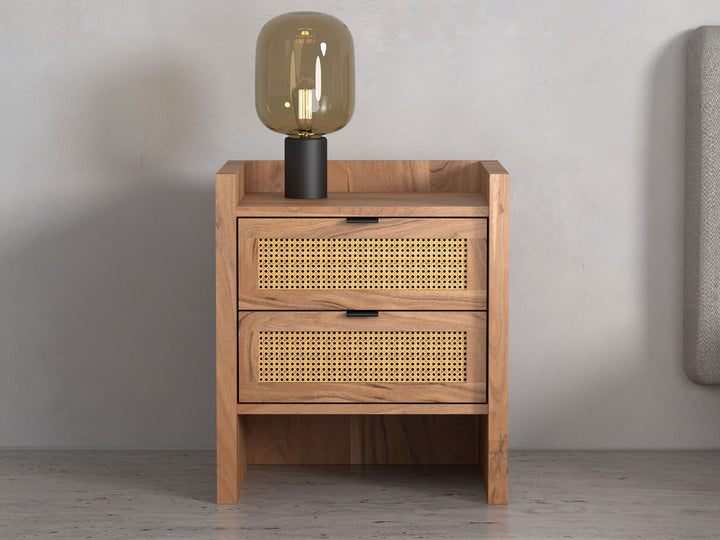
305	88
306	60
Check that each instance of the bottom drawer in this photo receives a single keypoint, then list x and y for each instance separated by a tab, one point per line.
330	357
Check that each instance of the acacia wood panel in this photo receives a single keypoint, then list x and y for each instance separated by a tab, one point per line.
375	176
421	440
494	427
437	204
472	391
230	431
362	408
362	439
370	440
371	392
297	439
250	296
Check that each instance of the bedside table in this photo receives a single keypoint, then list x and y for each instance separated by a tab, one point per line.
370	327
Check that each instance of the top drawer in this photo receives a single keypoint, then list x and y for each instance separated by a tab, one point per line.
338	264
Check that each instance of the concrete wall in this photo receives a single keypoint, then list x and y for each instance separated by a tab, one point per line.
115	115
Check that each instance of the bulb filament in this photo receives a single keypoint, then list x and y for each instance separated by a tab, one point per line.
305	103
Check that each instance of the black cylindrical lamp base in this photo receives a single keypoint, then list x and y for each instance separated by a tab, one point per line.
305	168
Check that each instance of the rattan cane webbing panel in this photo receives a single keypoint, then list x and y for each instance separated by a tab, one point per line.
362	263
349	356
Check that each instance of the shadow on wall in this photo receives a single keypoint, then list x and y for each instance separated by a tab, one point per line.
664	202
620	397
111	334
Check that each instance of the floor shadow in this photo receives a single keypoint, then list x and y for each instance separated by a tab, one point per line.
113	474
462	481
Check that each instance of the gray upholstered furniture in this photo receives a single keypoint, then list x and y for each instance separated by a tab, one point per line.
701	357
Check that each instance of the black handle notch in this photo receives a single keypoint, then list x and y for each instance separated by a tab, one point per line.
363	220
361	313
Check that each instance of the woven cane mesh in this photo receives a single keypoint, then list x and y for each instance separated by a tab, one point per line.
348	356
362	263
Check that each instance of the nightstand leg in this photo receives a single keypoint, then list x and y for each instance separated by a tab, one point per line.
494	459
231	461
495	186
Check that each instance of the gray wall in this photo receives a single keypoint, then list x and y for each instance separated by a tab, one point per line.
115	116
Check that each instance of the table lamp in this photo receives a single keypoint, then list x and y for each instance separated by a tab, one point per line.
305	88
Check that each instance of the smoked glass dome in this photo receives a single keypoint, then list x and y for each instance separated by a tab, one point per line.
305	74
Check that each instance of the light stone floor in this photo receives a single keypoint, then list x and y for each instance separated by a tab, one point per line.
623	495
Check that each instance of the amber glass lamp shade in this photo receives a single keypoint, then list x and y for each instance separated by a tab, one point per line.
305	88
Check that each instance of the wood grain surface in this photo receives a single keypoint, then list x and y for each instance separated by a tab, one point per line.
375	176
361	439
494	427
342	204
252	391
362	408
230	435
473	297
349	430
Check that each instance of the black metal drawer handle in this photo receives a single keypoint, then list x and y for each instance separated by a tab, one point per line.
362	220
361	313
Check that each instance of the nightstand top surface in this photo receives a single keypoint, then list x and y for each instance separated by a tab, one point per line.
341	204
431	189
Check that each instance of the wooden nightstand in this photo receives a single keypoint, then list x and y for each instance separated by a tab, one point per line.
370	327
